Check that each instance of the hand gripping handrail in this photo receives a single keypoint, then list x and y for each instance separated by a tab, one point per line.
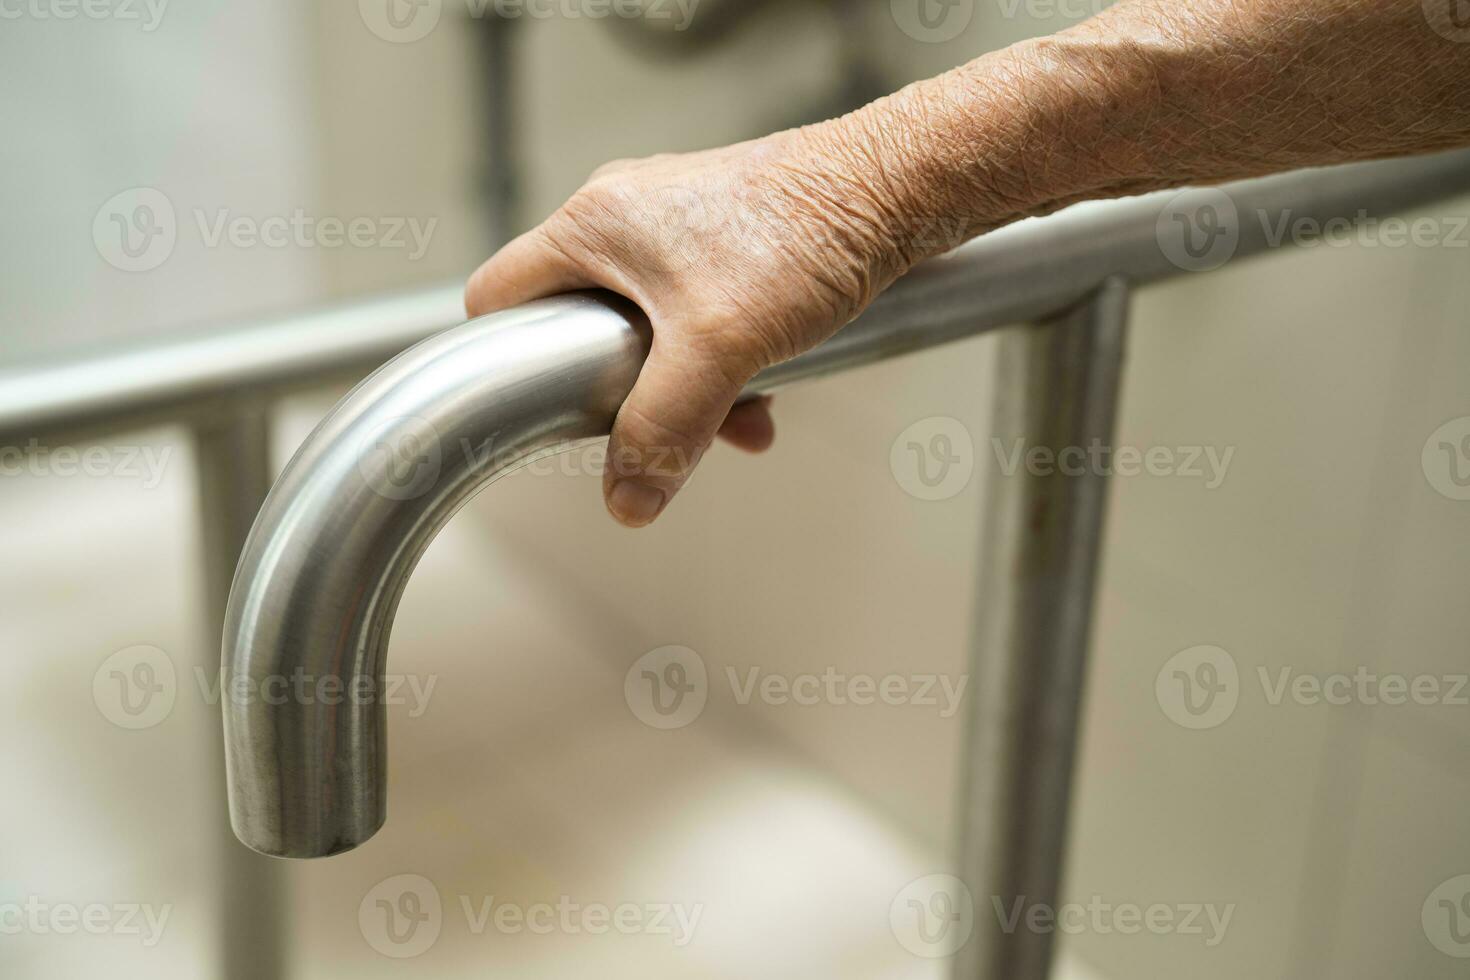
324	567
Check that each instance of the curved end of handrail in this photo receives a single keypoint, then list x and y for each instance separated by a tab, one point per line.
319	580
324	567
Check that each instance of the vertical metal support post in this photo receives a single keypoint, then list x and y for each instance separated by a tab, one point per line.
234	473
501	168
1056	387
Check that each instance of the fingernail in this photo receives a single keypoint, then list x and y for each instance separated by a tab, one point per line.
635	504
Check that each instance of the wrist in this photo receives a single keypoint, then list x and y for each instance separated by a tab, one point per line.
1018	132
838	184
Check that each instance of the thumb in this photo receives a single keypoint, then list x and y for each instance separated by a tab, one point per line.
677	405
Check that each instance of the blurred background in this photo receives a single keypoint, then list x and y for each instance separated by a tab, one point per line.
764	837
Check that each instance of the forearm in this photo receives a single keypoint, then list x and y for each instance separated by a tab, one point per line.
1153	93
747	255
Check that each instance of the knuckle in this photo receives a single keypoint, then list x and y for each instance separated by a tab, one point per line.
610	167
609	189
566	236
595	218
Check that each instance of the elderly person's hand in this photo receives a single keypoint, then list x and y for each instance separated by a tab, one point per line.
741	257
751	254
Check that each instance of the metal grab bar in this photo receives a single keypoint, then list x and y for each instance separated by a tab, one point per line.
323	569
1023	272
1032	630
319	582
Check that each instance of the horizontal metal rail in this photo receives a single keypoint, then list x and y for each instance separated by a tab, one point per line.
321	575
204	373
1024	272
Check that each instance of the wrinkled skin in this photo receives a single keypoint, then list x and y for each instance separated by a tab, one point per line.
748	255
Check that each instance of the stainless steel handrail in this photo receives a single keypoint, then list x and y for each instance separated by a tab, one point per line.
326	561
319	582
1019	273
205	372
